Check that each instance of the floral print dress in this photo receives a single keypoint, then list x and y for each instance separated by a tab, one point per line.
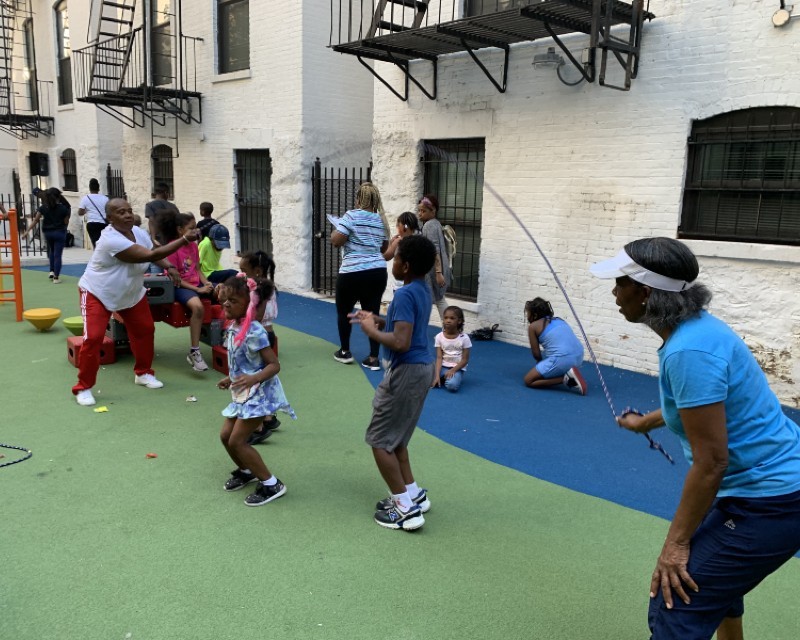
260	400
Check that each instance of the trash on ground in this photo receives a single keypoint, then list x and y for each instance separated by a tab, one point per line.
151	455
101	410
191	399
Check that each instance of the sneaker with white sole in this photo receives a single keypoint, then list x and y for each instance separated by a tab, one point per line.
238	480
264	494
195	358
345	357
421	501
574	380
56	281
395	518
148	380
52	275
85	398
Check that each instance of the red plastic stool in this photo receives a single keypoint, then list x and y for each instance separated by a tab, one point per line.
107	353
219	359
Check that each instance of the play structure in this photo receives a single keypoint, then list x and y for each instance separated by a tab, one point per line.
43	318
161	296
10	245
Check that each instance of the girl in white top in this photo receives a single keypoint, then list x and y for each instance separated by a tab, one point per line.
407	225
452	350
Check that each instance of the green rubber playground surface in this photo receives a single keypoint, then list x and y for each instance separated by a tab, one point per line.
101	543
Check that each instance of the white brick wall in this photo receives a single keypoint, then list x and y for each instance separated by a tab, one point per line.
587	169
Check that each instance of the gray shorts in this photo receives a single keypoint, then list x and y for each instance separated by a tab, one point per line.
398	404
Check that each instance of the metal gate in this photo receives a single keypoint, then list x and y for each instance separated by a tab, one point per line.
253	184
333	192
115	184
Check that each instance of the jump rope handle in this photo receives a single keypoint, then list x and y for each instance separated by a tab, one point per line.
653	443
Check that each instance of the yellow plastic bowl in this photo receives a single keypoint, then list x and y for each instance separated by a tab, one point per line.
74	325
42	319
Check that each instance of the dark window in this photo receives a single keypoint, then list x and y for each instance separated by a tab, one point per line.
233	35
162	167
30	65
454	174
69	168
253	195
743	177
161	42
64	54
484	7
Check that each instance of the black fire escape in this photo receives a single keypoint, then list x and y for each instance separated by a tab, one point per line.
21	94
141	68
402	31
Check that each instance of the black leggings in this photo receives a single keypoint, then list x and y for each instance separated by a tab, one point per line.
95	229
366	287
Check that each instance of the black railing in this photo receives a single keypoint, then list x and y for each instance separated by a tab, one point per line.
333	192
26	205
117	68
115	183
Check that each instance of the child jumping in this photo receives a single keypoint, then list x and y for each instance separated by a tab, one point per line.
400	395
259	265
558	353
255	388
452	350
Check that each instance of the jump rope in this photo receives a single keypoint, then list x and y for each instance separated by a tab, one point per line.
441	153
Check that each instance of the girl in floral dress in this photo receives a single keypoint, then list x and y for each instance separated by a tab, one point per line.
255	388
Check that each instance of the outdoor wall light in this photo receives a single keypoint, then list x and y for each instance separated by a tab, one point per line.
551	58
782	16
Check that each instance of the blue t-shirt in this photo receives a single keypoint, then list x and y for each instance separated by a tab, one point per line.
558	341
365	236
704	362
411	303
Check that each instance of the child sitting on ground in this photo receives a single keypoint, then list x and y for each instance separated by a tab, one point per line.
255	388
452	350
558	353
401	394
259	265
193	283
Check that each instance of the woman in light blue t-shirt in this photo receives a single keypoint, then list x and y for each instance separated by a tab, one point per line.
738	519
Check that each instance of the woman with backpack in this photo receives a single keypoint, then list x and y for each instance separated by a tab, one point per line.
439	277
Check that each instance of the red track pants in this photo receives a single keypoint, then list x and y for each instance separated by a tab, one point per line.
140	328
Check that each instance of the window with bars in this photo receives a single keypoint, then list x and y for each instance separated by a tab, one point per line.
453	172
743	177
162	167
69	169
233	35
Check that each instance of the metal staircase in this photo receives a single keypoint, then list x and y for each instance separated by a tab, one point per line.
394	16
139	72
20	90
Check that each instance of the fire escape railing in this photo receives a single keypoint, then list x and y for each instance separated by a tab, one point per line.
403	31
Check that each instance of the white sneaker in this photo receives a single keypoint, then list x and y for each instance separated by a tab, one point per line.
56	281
52	275
148	380
85	398
195	358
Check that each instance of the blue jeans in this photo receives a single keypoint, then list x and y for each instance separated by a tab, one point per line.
452	384
56	241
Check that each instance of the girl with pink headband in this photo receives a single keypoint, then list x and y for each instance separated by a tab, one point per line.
255	388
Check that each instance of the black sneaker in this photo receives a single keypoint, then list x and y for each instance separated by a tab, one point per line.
272	424
394	518
345	357
238	480
373	364
259	435
421	501
264	494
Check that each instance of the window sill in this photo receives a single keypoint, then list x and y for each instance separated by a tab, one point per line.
229	77
744	251
66	107
471	307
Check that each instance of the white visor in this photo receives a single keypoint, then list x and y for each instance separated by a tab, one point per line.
623	265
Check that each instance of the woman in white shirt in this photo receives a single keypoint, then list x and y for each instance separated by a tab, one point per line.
93	206
114	282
